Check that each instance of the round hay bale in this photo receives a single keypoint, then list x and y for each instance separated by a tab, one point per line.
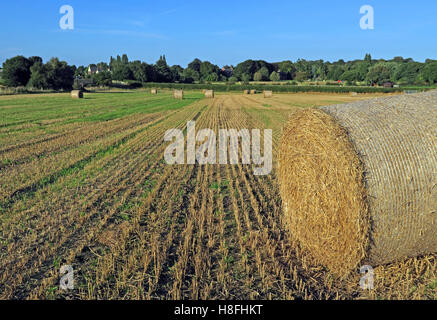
246	92
353	94
77	94
178	94
154	91
359	181
209	93
268	94
253	91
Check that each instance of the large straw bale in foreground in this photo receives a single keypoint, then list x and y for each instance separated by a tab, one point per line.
178	94
359	181
77	94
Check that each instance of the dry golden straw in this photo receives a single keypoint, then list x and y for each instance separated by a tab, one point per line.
154	91
77	94
246	92
209	93
268	94
178	94
253	91
359	181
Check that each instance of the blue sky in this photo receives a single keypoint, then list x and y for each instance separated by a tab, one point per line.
223	32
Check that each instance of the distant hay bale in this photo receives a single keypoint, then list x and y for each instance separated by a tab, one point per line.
209	93
77	94
246	92
253	91
268	94
353	94
154	91
359	181
178	94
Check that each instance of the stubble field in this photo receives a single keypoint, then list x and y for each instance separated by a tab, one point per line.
84	183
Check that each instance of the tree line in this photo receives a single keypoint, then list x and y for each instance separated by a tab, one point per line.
367	71
32	72
58	75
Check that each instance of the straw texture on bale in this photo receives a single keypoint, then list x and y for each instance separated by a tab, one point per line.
268	94
178	94
154	91
209	93
77	94
359	181
246	92
253	91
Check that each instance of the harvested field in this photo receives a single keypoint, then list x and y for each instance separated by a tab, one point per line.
84	183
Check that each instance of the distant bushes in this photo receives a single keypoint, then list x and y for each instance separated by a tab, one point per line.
23	90
13	90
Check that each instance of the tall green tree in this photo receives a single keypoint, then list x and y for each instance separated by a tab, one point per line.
176	73
164	73
258	76
16	71
34	59
408	73
430	72
189	75
80	71
368	58
60	74
39	76
103	78
302	76
288	69
124	59
249	67
335	72
378	74
195	65
275	76
122	72
209	70
246	77
265	73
